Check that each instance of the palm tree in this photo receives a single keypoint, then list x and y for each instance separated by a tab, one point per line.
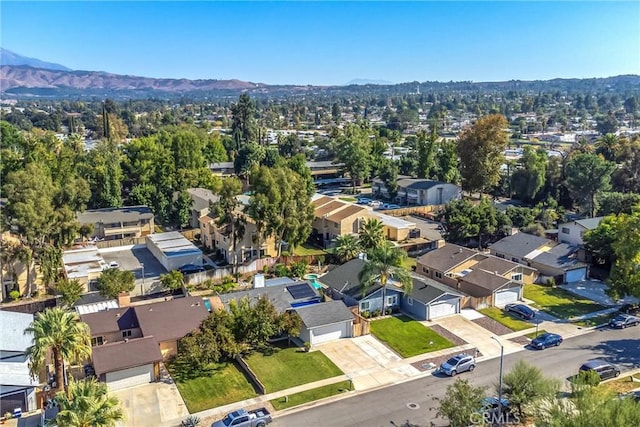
608	145
347	247
371	234
385	263
88	404
62	333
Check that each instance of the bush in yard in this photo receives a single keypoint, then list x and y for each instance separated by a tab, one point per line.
298	269
461	402
70	291
113	281
14	295
551	282
587	378
172	280
281	270
525	385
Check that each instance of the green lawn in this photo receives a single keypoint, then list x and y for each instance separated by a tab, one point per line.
289	367
594	321
559	302
532	335
506	319
409	263
348	199
621	385
408	337
222	384
310	395
307	250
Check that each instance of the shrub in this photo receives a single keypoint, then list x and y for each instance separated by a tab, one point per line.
14	295
587	378
191	421
551	282
298	269
281	270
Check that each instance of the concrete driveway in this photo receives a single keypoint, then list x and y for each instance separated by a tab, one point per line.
151	405
595	291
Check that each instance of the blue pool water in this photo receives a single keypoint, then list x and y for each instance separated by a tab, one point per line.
207	304
313	279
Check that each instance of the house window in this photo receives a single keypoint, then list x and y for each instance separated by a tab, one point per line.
392	300
126	334
500	255
516	276
425	270
438	275
410	301
96	341
514	259
565	230
364	306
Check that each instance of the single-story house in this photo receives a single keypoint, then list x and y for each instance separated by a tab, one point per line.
129	342
483	279
430	300
572	232
325	322
520	247
17	386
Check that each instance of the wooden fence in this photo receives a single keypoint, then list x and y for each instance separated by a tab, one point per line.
428	212
127	241
361	326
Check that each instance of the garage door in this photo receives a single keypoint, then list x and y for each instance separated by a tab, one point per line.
330	332
507	296
130	377
443	308
576	275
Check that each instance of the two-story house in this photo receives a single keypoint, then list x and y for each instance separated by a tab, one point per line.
419	192
118	223
572	232
202	199
551	259
484	280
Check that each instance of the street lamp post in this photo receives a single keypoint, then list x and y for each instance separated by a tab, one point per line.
500	381
142	285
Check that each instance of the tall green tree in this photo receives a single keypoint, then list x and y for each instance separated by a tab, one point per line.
525	386
172	280
625	274
426	147
461	402
243	125
62	333
112	281
70	291
480	149
587	176
354	151
529	178
383	264
229	216
371	235
105	175
88	404
347	247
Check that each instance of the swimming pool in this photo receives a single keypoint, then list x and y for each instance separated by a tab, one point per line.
207	304
313	279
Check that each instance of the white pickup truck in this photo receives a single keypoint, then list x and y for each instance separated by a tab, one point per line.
243	418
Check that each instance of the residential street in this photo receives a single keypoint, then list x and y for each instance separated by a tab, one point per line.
389	406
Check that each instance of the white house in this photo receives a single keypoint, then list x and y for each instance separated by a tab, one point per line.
572	232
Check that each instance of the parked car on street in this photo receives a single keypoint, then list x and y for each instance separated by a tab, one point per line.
621	321
114	264
605	370
633	309
458	364
546	340
375	203
364	200
521	310
190	269
243	418
491	404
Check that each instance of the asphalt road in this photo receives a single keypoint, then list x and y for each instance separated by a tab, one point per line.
414	403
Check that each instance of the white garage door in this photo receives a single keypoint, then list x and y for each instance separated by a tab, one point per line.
130	377
330	332
443	308
576	275
507	296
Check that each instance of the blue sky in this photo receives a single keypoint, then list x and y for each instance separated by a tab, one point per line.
331	42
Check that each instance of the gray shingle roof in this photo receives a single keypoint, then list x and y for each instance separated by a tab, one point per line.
13	326
519	244
562	256
419	184
426	290
445	258
493	264
327	313
109	215
590	223
345	279
122	355
482	283
279	296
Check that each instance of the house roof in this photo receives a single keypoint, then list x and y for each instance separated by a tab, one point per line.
329	207
445	258
346	213
495	265
590	223
125	354
322	200
482	283
519	244
17	374
419	184
426	290
345	279
102	322
281	296
109	215
201	198
561	256
322	314
13	337
173	319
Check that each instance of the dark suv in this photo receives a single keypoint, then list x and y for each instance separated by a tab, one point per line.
521	310
605	370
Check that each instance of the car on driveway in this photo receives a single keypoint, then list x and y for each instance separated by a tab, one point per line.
605	370
621	321
546	340
458	364
520	310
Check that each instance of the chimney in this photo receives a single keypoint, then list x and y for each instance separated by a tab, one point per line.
258	281
124	299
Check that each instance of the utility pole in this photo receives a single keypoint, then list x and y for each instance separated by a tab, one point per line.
500	381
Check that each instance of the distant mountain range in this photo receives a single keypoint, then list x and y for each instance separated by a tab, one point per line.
22	77
11	58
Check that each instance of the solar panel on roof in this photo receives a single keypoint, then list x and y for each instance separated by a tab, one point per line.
303	290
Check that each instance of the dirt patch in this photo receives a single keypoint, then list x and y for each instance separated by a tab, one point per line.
521	340
423	364
456	340
492	325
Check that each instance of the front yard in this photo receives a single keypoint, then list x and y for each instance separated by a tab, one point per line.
622	384
308	250
559	302
408	337
506	319
310	395
280	368
221	384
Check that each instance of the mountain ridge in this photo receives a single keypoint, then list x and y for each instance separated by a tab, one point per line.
8	57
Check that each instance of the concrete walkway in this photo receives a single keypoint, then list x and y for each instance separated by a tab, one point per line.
595	291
